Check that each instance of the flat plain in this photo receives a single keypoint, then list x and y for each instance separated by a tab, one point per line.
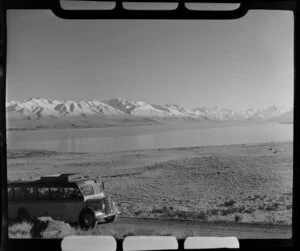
243	183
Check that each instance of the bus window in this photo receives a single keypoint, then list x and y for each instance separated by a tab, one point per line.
73	193
43	192
98	187
101	187
20	192
70	192
78	193
10	193
31	192
57	192
87	189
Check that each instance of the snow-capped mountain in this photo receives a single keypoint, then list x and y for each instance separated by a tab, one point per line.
39	107
135	108
272	112
286	117
42	111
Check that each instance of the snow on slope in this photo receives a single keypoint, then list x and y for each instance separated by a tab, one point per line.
286	117
38	109
271	112
135	108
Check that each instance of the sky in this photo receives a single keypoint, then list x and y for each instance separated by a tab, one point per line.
238	64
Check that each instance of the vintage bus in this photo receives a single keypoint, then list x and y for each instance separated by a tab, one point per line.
65	197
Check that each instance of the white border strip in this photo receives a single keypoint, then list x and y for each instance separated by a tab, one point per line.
211	242
89	243
134	243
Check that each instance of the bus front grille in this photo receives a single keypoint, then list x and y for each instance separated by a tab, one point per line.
108	206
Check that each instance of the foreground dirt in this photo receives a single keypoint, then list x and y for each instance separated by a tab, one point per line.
185	228
181	229
237	183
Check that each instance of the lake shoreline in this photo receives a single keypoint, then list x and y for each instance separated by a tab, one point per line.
166	123
148	137
15	153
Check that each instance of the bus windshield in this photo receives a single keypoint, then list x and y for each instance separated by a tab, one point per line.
87	189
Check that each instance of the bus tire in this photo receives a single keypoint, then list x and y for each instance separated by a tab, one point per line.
87	219
23	215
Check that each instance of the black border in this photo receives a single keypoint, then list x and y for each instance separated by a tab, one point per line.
119	13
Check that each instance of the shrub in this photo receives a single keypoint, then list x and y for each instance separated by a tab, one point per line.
237	218
241	209
202	216
229	203
182	215
20	230
167	209
213	211
272	207
289	206
157	210
249	210
228	211
256	196
57	230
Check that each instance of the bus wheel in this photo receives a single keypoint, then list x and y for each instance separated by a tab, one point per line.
110	219
23	215
87	219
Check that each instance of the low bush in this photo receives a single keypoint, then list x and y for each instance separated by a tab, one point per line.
214	211
157	211
272	206
248	210
238	218
229	203
232	210
57	230
169	212
20	230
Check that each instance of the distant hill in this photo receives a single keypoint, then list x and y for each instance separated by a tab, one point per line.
286	117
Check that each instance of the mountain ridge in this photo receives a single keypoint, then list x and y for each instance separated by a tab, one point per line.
119	109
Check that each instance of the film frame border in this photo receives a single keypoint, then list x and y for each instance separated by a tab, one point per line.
180	13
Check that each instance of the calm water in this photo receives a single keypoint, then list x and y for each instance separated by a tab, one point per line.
147	137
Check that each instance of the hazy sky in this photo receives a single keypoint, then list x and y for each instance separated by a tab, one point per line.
235	64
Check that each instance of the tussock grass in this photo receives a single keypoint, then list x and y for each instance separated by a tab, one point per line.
238	218
58	230
230	210
229	203
170	212
254	206
16	154
212	183
20	230
40	229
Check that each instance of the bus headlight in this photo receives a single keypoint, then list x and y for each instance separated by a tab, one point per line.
99	214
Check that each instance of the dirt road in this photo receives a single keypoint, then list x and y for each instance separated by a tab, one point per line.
184	228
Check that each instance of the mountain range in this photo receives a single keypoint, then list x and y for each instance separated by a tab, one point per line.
38	113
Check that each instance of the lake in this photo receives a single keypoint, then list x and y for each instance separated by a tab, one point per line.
150	136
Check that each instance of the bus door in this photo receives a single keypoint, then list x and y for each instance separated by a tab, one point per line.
73	203
50	202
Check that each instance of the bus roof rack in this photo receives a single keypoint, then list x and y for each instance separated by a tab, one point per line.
64	177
